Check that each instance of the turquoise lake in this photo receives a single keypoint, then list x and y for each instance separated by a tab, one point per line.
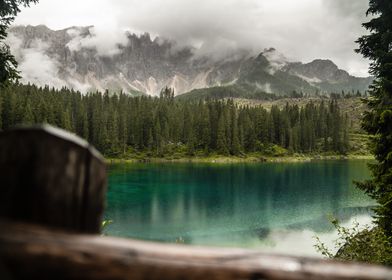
275	207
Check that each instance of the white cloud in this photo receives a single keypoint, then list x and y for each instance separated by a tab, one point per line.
38	68
35	65
104	40
302	29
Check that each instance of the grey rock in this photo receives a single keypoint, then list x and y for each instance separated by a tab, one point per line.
146	66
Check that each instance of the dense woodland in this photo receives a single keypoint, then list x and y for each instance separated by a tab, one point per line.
246	91
120	125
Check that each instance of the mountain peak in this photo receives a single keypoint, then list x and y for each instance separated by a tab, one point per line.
324	63
71	57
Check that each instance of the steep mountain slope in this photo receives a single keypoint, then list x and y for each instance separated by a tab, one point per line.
72	58
326	75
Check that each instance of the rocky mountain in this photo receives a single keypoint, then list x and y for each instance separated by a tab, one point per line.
73	58
325	75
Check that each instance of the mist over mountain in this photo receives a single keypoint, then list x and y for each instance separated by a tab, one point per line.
74	58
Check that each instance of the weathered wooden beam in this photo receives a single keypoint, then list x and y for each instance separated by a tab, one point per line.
51	177
32	252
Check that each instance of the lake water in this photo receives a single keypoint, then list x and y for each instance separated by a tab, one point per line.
276	207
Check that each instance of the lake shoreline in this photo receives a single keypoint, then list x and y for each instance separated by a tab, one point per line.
246	205
234	159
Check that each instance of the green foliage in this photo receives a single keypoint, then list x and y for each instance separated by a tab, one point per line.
377	46
105	223
123	126
180	240
231	91
8	11
374	245
369	245
8	64
274	150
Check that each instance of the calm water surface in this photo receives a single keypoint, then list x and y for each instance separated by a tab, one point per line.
277	207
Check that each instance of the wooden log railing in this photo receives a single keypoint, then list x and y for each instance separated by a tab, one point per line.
52	178
52	199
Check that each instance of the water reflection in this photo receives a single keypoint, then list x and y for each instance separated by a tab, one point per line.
234	205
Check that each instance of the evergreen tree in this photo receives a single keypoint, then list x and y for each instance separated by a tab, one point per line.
221	142
8	11
158	137
191	144
377	46
346	140
235	142
1	112
116	123
65	120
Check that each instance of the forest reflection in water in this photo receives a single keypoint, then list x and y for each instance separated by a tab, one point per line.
263	205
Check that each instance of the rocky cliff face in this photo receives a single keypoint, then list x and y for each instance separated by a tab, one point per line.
70	58
324	74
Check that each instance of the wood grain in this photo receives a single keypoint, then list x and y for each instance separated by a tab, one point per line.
52	194
51	177
34	252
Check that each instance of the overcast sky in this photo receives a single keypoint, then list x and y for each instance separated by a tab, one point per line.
301	29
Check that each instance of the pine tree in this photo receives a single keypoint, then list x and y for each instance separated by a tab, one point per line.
28	117
235	143
113	131
158	137
346	139
1	112
271	128
377	46
8	11
221	142
66	122
123	132
191	144
114	122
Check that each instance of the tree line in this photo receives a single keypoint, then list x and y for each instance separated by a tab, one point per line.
117	124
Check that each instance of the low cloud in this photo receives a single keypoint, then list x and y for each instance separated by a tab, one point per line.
303	29
105	40
37	67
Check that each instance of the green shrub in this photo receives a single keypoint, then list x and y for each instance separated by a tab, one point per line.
369	245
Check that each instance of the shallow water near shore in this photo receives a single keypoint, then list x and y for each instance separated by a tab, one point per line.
276	207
